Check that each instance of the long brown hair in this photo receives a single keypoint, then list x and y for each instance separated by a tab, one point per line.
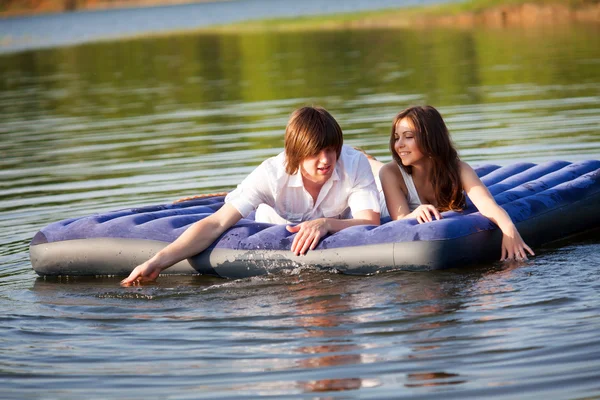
434	141
310	130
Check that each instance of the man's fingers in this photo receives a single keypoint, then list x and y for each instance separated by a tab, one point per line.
295	244
305	245
523	254
293	229
298	242
135	276
307	236
315	242
310	241
305	240
529	250
511	254
129	280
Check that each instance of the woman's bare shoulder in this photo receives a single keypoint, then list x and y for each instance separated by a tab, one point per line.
463	165
465	169
390	168
391	172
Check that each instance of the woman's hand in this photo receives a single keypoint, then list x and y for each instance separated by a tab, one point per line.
513	246
142	273
308	234
425	213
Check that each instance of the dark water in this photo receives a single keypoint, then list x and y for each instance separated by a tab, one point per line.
104	126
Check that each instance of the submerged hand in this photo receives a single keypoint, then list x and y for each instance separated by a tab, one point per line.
425	213
513	246
308	235
142	273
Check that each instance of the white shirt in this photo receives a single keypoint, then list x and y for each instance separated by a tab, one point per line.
350	189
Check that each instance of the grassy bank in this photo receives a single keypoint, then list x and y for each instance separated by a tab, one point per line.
470	12
482	5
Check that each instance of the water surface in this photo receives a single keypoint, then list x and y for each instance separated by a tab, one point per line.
55	30
97	127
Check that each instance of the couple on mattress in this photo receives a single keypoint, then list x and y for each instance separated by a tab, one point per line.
318	186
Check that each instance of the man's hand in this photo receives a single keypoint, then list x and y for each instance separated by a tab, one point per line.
308	234
142	273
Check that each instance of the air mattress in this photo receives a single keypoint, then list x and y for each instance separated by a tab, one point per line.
548	201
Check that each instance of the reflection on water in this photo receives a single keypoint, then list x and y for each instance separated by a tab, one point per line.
105	126
323	314
433	379
51	30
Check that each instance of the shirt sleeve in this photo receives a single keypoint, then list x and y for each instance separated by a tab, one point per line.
253	191
364	194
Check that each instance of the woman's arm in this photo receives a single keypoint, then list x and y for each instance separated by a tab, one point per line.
513	246
194	240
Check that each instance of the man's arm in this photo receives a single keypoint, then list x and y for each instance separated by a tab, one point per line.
191	242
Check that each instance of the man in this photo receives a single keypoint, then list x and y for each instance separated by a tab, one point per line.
317	183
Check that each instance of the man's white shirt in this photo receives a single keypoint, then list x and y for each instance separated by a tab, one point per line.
349	190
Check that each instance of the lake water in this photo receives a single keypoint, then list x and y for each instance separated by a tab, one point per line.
97	127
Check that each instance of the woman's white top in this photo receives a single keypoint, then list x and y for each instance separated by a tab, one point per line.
413	197
349	190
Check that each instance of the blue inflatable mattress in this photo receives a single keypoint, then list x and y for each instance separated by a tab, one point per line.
547	202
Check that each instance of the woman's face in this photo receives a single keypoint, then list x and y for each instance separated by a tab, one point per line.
405	143
319	168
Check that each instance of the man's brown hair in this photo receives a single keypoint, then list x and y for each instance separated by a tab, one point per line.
310	130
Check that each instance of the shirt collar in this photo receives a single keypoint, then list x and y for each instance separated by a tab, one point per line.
295	180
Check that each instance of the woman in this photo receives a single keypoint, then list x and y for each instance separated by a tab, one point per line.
427	177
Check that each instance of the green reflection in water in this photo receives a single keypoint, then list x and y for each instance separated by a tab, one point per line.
148	76
218	103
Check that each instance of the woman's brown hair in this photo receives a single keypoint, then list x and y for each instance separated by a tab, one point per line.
310	130
434	141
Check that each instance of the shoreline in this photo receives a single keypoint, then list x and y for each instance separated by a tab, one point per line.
466	14
486	14
43	7
523	15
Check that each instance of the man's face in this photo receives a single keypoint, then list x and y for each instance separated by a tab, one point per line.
319	168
